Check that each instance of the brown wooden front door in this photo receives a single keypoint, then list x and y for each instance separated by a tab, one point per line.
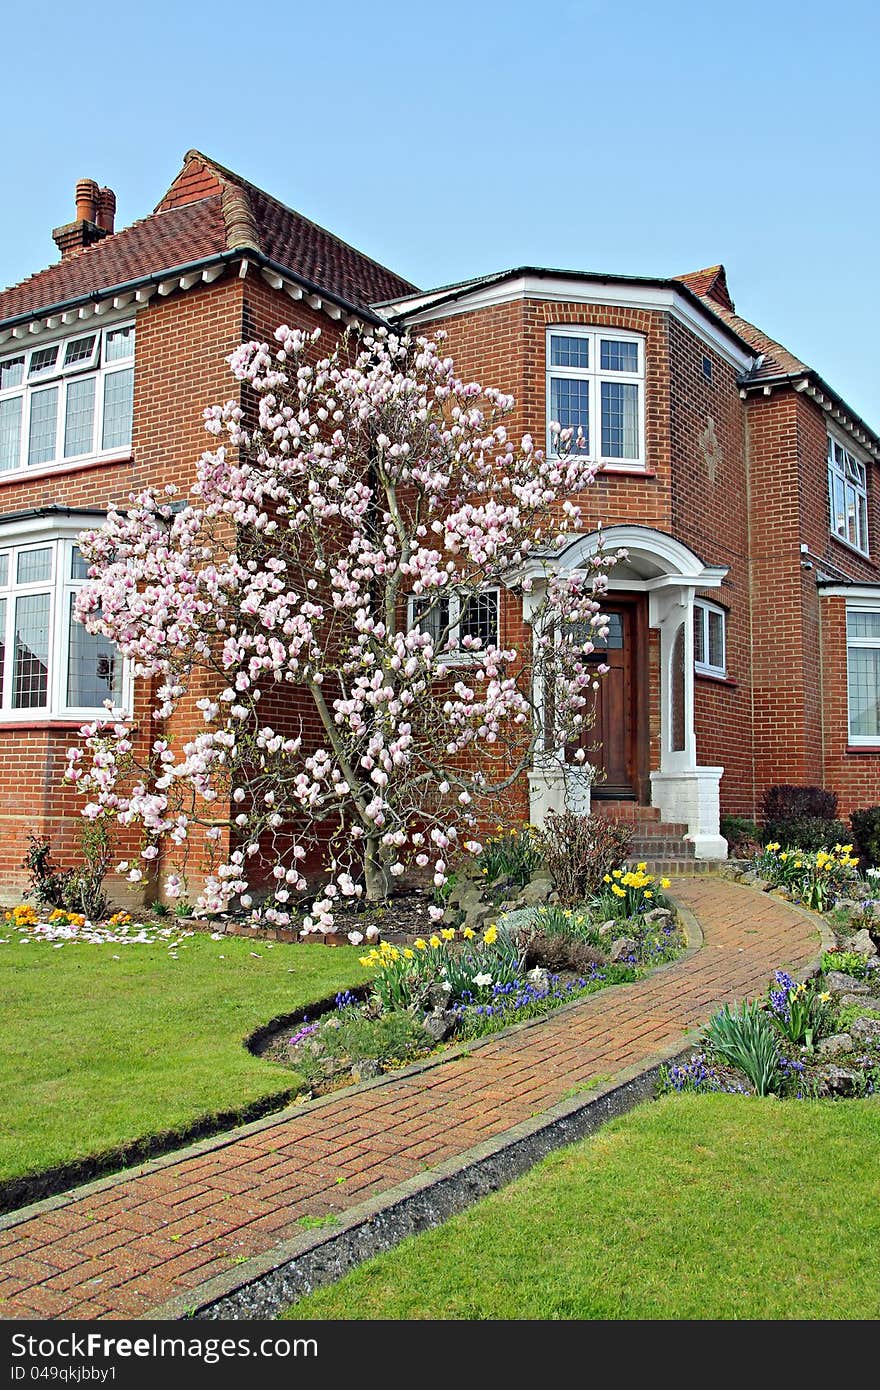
612	744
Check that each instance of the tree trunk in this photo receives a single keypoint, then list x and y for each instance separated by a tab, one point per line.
375	880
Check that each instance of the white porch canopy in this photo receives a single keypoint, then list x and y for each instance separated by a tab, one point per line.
669	573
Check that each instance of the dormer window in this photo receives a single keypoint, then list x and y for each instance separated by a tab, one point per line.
596	388
68	400
848	495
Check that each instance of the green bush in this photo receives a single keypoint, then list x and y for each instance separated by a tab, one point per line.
807	833
866	829
847	962
742	835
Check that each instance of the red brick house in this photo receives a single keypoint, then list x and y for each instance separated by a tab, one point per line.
745	638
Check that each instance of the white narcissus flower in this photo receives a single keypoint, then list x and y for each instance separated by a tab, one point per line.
482	980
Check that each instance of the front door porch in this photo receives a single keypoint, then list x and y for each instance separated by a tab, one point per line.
652	585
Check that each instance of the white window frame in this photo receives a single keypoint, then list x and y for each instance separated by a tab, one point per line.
851	476
41	534
58	378
461	656
871	643
595	376
702	608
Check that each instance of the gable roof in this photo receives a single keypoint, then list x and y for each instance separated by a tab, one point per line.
774	363
209	211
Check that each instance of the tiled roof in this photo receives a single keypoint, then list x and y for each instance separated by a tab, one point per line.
776	360
208	210
153	244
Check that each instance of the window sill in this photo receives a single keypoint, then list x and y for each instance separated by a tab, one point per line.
715	679
55	470
43	722
853	549
860	750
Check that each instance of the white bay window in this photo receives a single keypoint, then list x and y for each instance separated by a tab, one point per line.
66	401
863	674
50	666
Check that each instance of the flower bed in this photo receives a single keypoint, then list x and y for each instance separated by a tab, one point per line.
811	1040
459	984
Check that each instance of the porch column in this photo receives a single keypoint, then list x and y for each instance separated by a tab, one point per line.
684	792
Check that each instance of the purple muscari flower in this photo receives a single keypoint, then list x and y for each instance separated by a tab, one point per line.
785	980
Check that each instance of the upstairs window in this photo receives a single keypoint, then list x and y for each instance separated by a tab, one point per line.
50	666
710	639
68	400
848	495
596	387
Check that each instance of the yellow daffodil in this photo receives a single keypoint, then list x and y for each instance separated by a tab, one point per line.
448	933
420	945
665	883
434	942
490	936
468	933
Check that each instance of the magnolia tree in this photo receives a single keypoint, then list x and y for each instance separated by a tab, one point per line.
332	582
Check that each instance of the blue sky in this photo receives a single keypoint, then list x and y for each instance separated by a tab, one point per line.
456	139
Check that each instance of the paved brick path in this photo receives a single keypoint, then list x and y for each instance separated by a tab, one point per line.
138	1241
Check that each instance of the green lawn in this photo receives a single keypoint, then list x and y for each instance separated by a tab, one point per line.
690	1207
105	1044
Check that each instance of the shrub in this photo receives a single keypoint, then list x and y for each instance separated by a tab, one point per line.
786	802
742	835
579	851
75	890
746	1037
866	829
806	832
513	854
556	952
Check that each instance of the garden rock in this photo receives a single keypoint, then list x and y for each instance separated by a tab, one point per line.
539	979
752	880
863	943
439	1024
862	1001
366	1069
839	1081
621	948
608	928
537	891
658	914
866	1031
437	996
839	983
835	1045
472	903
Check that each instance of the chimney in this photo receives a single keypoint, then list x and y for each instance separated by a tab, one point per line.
106	210
95	210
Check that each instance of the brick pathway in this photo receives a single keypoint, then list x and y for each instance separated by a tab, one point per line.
138	1241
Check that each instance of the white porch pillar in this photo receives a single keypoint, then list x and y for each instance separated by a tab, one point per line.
684	792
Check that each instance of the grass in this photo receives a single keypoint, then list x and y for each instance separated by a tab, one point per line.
691	1207
104	1045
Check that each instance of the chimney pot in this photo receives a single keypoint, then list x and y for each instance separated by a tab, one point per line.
106	209
86	200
